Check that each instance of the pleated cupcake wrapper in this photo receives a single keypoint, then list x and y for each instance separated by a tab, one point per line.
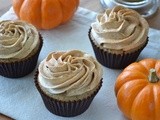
21	68
115	61
66	109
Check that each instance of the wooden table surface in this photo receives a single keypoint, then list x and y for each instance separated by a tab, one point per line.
95	6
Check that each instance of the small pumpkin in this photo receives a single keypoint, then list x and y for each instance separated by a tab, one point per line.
45	14
137	90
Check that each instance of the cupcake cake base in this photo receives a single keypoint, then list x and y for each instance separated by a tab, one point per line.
111	60
22	67
66	108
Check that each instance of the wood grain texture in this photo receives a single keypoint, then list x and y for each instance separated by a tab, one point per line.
4	117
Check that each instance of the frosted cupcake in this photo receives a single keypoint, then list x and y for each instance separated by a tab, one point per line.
118	36
68	82
20	45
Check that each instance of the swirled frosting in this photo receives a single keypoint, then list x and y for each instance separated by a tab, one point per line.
17	39
71	73
120	29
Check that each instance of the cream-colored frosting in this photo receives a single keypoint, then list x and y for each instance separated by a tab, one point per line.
120	29
17	39
71	73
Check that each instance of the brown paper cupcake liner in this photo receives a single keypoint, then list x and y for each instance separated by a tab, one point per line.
66	108
115	61
21	68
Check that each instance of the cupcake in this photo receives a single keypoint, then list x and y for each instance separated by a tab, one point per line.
68	82
118	36
20	45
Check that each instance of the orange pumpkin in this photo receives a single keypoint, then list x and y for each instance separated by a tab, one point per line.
137	90
45	14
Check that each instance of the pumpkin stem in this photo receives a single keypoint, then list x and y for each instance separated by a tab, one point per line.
153	76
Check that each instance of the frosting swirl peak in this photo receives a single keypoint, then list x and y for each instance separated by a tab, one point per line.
72	73
17	39
120	29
